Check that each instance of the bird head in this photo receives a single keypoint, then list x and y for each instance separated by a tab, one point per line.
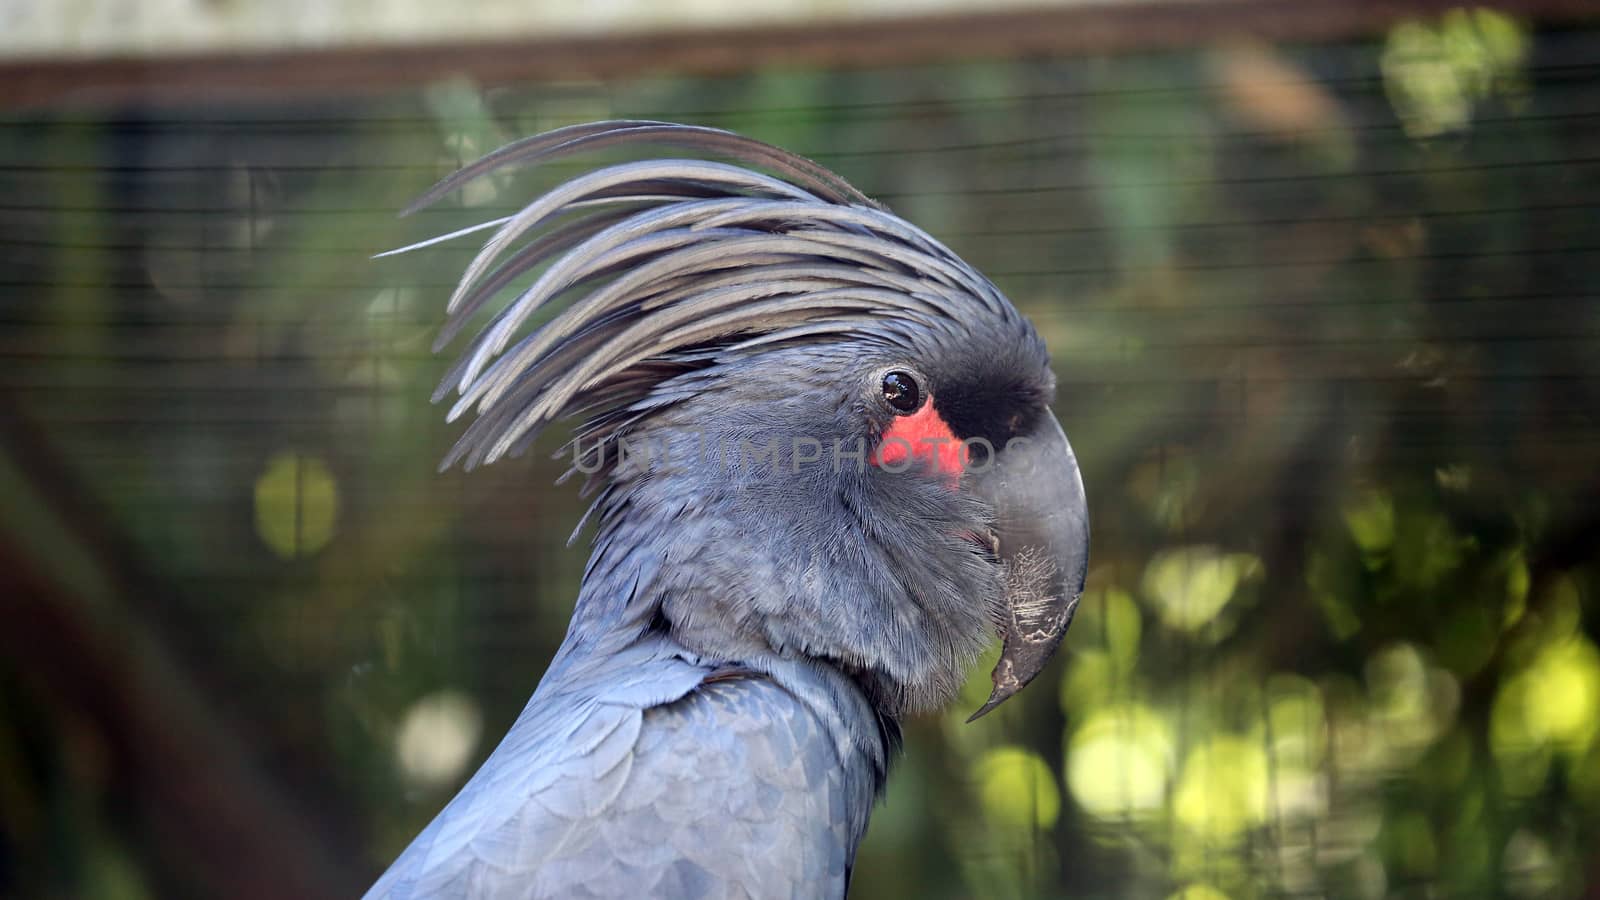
829	437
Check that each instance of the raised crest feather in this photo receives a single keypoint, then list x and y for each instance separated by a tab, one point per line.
655	267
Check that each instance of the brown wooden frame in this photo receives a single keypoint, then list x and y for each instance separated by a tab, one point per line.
1102	27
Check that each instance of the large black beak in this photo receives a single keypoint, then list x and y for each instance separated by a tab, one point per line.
1042	526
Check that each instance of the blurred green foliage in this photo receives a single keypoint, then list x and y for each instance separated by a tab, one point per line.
1326	337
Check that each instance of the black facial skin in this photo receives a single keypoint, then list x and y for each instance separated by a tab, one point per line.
995	388
995	410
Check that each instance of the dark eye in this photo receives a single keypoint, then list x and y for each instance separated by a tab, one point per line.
900	388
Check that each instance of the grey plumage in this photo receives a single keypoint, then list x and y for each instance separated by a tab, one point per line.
626	793
725	705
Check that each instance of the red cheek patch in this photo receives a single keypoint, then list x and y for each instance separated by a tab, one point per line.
926	438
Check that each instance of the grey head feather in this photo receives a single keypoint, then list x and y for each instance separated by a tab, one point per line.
651	265
561	142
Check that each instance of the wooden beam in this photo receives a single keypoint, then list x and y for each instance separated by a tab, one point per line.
1107	27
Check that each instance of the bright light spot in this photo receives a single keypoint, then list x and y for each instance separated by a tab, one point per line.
1191	585
1436	74
1370	518
1562	707
1413	704
1017	789
1552	705
1223	790
437	737
1296	725
1529	866
1120	761
1294	734
1554	702
1298	794
296	505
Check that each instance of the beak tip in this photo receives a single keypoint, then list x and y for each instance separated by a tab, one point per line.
995	699
1006	685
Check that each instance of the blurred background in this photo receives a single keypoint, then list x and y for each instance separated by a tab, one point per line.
1319	282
